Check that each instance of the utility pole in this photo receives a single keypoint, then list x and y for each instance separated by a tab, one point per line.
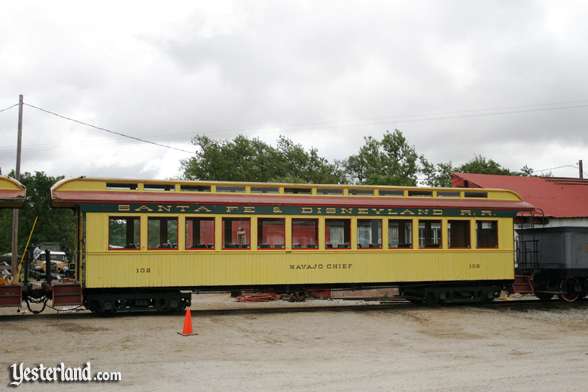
14	264
581	169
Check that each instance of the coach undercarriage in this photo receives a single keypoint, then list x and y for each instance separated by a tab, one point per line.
174	299
569	285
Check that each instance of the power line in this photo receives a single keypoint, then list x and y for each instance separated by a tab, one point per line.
430	117
557	167
399	119
8	108
482	112
117	133
487	112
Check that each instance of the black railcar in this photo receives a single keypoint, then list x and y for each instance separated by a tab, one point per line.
556	260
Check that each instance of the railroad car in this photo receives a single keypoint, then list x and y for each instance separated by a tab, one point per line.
147	244
554	261
12	195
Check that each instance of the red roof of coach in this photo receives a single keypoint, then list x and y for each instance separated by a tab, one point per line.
70	198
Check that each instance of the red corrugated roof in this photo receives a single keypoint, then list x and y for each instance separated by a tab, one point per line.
557	197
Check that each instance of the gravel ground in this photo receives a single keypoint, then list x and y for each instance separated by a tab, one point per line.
349	346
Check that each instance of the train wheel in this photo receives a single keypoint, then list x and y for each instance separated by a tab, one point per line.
569	297
162	305
569	292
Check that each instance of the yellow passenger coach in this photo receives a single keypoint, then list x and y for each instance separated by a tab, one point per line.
148	244
12	195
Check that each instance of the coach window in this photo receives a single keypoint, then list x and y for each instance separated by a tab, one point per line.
399	233
429	234
124	233
199	233
237	233
487	234
458	233
305	233
338	233
162	233
271	233
369	233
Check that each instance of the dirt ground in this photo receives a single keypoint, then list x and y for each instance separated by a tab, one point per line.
348	346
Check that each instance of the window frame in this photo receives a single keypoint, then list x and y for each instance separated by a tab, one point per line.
316	233
468	234
496	231
350	242
440	221
127	217
226	219
411	224
260	221
377	247
176	218
199	218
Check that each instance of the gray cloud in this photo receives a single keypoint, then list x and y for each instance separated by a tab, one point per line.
323	73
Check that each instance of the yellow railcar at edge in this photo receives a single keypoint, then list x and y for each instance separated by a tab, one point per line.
12	193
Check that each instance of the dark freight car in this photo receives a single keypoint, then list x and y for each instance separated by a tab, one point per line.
557	260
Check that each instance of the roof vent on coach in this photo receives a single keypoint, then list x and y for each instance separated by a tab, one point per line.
476	194
420	193
301	191
121	186
447	193
195	188
391	192
264	189
361	192
159	187
225	188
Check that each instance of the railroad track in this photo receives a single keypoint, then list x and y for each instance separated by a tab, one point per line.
313	306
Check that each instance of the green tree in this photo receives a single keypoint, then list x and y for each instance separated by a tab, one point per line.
483	165
389	161
526	171
244	159
300	165
53	224
440	174
437	174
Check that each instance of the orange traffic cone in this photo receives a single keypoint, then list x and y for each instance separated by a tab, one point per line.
187	330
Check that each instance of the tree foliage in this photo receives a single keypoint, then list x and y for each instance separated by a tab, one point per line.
53	224
526	171
244	159
438	174
482	165
390	161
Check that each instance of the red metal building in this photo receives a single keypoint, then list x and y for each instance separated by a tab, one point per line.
559	201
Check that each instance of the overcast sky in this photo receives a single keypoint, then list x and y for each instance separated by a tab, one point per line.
504	79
